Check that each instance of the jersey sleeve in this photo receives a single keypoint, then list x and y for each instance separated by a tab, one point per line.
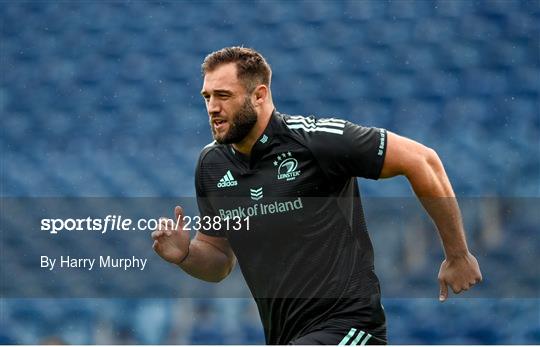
203	202
350	150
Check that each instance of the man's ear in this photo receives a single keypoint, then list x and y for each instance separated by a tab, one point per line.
261	94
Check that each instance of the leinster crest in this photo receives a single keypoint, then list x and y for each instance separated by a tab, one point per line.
287	167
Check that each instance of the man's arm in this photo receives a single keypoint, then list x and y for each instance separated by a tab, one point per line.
205	257
210	258
425	172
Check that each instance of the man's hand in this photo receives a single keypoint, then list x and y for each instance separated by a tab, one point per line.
172	244
460	273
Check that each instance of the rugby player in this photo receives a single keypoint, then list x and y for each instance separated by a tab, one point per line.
307	257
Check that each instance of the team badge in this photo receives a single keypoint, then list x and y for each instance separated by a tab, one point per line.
287	167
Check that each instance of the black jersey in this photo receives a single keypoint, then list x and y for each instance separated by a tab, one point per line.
307	257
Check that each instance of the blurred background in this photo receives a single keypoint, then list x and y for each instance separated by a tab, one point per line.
101	99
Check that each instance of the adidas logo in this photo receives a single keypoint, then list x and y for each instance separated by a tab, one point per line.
227	180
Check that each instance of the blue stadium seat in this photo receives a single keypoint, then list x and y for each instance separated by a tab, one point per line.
102	99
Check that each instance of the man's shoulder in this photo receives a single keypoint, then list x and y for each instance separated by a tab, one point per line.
211	151
313	125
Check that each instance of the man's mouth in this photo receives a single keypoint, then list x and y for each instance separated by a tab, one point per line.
219	124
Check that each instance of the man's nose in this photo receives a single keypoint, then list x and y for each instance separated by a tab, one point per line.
213	106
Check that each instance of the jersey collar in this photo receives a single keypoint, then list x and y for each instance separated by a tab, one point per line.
267	137
264	143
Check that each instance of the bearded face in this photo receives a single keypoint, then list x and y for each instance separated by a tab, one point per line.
237	127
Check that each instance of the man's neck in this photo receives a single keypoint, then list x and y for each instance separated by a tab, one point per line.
248	142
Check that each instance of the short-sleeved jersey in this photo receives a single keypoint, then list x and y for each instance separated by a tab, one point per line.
307	257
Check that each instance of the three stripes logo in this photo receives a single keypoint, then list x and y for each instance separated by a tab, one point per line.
326	125
360	338
227	180
256	194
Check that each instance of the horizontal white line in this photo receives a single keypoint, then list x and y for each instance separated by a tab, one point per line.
318	120
299	117
315	124
326	130
339	125
336	124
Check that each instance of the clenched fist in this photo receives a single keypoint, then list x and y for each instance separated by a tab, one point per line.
460	273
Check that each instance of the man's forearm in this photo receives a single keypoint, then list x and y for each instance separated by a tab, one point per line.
425	172
432	186
206	262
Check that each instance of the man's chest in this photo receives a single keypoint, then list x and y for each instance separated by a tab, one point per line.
285	172
276	196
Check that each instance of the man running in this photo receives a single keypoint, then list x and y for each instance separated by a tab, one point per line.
290	181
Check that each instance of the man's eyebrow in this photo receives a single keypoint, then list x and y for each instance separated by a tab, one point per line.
217	91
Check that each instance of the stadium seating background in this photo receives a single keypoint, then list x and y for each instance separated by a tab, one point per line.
102	99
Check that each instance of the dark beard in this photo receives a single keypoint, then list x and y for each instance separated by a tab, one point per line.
241	124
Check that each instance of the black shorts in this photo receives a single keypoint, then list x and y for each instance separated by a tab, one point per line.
352	337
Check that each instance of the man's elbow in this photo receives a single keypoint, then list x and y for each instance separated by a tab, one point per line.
425	161
215	279
226	271
218	277
432	160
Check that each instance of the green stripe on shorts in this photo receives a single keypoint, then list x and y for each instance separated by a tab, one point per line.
347	337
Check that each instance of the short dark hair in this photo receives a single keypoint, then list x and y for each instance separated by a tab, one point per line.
252	68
